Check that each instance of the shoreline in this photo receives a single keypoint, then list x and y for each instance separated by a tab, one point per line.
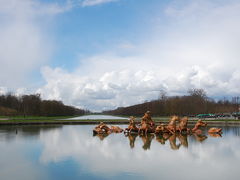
94	122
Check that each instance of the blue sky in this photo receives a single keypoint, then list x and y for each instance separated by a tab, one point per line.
101	54
84	31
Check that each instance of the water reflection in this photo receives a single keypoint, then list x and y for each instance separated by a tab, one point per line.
147	139
73	152
132	139
101	136
175	140
9	133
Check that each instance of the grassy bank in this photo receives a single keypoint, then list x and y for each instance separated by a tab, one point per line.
20	120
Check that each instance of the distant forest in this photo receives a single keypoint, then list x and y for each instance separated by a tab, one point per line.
33	105
195	102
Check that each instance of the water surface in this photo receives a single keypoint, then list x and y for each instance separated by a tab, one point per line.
72	152
96	117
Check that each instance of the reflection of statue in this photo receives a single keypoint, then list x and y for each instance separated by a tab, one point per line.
215	135
200	137
101	136
172	141
162	138
132	138
183	140
147	139
171	127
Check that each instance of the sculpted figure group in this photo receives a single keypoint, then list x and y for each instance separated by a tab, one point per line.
104	129
176	125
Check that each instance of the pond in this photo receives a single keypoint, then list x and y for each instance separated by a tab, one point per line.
96	117
72	152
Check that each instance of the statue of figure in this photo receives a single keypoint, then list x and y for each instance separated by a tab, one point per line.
132	126
147	119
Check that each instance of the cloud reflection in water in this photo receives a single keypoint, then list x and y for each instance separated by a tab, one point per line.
149	157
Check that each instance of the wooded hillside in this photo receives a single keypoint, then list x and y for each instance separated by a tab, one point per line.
195	102
33	105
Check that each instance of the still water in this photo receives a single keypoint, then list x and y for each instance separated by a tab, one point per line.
96	117
72	152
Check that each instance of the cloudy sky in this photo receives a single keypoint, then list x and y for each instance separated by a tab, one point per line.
101	54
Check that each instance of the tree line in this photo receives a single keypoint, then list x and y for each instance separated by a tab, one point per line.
195	102
33	105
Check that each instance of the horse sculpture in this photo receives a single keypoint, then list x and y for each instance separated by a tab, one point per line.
163	132
182	126
215	130
101	129
116	129
199	124
171	127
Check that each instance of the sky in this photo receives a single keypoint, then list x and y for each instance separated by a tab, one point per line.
103	54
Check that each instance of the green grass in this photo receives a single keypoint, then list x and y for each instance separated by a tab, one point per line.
39	117
93	121
33	118
58	119
61	119
3	116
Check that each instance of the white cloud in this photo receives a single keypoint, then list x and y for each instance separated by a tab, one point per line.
22	168
198	47
25	42
95	2
216	155
125	87
3	90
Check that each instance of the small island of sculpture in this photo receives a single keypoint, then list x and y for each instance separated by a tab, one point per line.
147	125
